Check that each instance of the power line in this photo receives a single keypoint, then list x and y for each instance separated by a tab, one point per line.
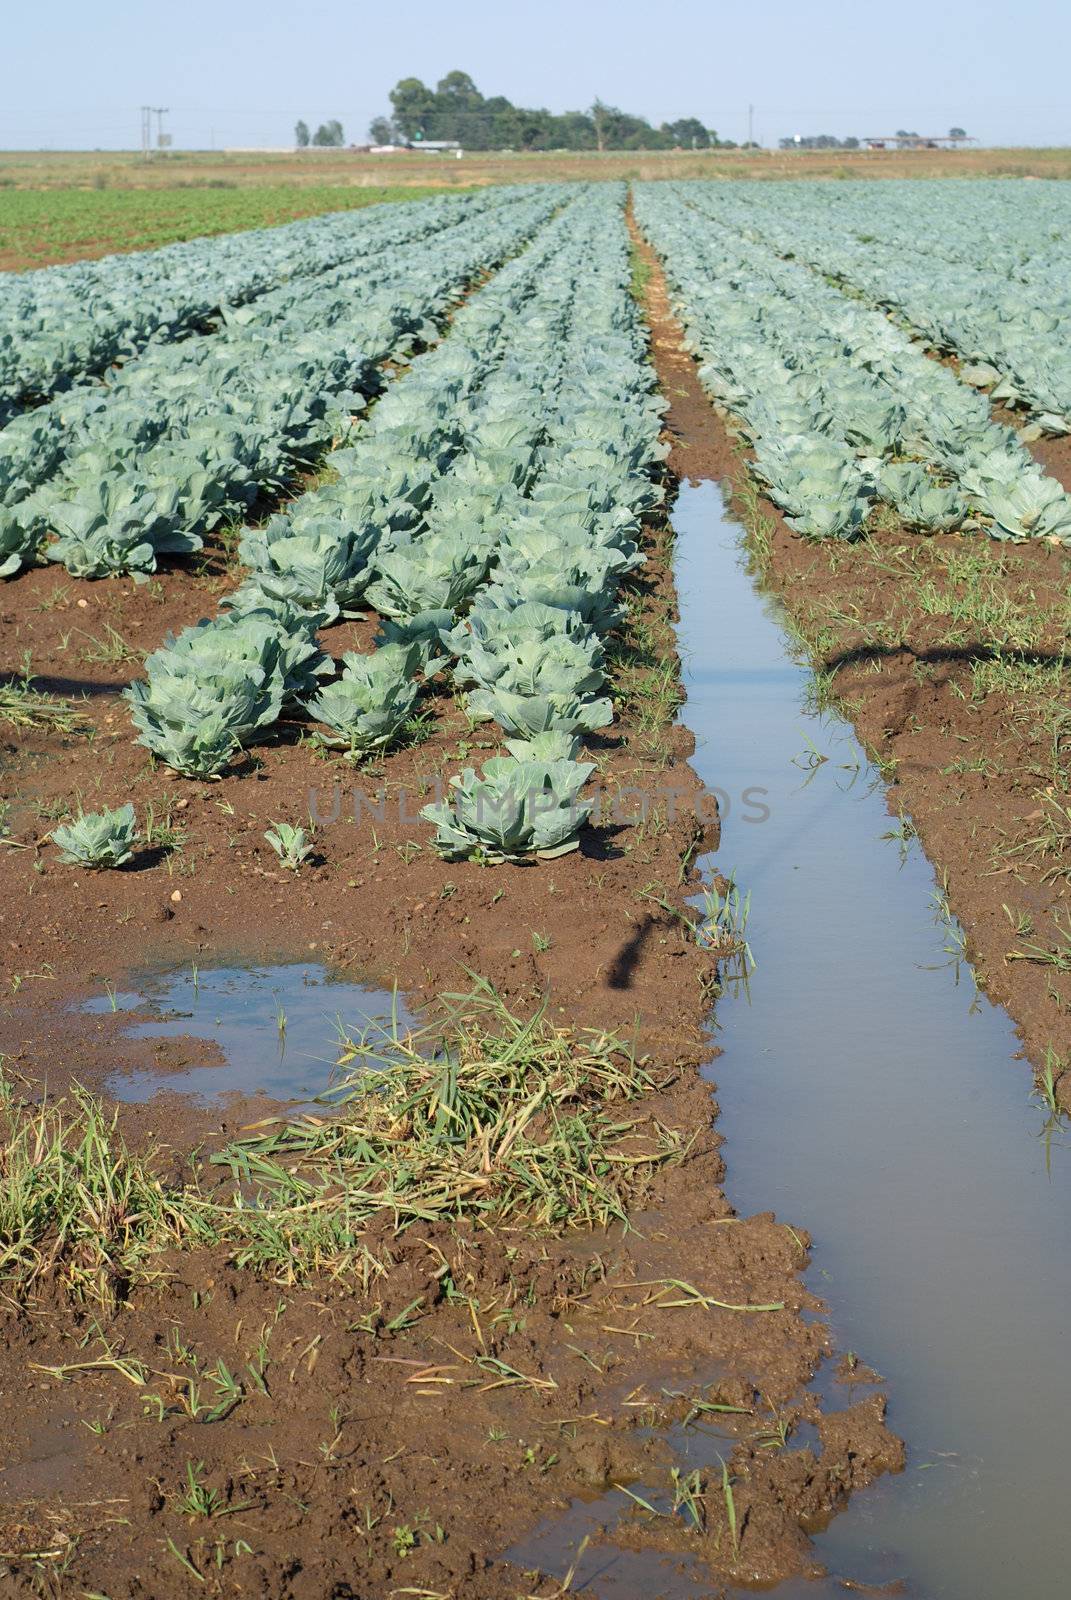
147	114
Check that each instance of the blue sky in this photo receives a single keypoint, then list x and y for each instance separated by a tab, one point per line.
239	72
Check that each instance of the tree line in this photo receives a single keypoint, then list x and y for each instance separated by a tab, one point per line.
903	140
456	110
328	134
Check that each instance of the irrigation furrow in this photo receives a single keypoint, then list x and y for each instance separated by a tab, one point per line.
987	630
866	1083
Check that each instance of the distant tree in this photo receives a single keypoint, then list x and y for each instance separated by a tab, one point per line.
816	141
572	130
382	131
620	130
413	104
460	87
462	113
301	135
329	134
498	125
957	133
689	133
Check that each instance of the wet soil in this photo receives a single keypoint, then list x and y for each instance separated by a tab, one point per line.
399	1432
981	776
377	901
371	1458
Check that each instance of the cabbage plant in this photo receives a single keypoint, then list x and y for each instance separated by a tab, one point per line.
371	704
320	562
422	635
545	747
818	484
526	715
596	607
437	571
524	663
1034	506
515	810
292	845
115	526
530	543
918	499
98	838
19	540
212	688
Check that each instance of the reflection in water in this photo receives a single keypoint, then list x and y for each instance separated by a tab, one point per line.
277	1028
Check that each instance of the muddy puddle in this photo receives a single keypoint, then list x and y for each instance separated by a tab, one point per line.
869	1089
275	1029
606	1567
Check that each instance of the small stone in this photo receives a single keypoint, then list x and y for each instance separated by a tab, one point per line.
176	895
84	604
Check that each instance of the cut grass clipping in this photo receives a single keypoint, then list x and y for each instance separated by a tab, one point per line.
481	1115
74	1202
23	706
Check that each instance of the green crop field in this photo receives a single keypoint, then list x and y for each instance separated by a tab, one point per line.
42	226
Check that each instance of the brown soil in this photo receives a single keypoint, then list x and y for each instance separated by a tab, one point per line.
393	1459
380	902
244	168
1055	457
973	771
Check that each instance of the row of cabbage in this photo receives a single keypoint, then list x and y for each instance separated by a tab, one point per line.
187	435
844	411
998	296
488	513
60	324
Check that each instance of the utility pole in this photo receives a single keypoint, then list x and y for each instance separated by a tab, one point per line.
750	124
147	114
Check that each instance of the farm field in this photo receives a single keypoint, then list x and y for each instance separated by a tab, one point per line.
179	169
349	663
42	227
